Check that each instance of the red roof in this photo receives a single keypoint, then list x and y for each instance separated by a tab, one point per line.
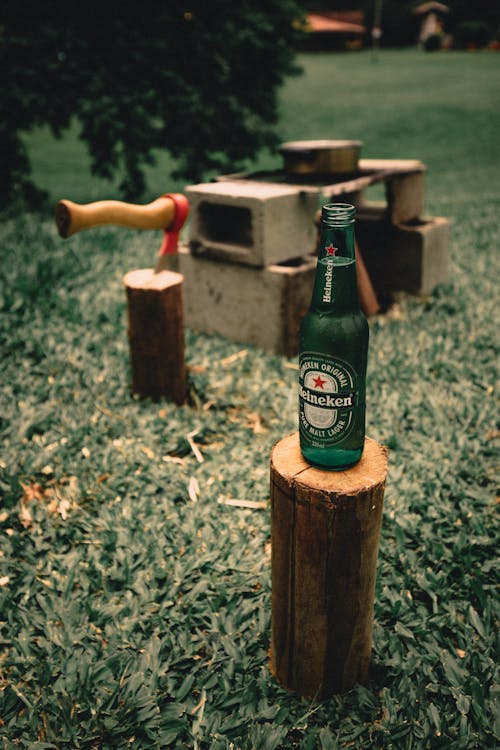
342	23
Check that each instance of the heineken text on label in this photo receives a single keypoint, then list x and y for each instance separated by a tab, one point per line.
327	397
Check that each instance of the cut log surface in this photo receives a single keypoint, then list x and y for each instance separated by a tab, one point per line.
325	538
156	334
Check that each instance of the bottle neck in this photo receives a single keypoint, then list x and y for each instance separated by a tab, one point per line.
337	242
335	286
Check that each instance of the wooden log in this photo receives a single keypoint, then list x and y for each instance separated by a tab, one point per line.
367	296
156	334
325	537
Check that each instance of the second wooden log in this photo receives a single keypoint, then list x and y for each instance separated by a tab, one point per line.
156	334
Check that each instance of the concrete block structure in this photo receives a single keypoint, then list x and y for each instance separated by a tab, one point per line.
250	222
404	183
258	306
405	197
249	264
411	257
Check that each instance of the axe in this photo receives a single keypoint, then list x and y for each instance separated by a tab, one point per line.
168	212
154	296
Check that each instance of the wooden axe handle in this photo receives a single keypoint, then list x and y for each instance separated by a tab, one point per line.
367	295
73	217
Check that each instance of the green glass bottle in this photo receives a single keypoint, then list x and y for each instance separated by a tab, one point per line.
333	351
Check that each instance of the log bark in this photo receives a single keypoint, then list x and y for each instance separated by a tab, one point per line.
325	536
156	334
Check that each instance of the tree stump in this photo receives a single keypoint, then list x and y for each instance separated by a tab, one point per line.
325	537
156	334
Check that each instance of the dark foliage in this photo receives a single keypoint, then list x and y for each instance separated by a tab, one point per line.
199	80
471	34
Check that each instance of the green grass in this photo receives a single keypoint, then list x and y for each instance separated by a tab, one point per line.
135	603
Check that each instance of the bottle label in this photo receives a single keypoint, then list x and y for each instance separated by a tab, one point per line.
327	398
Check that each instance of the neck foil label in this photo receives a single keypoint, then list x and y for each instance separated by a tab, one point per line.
327	397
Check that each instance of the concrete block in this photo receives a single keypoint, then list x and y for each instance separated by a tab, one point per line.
410	257
258	306
404	191
249	222
405	197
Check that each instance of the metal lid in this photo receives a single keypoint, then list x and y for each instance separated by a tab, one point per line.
313	145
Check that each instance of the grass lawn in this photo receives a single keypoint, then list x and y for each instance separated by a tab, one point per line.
134	600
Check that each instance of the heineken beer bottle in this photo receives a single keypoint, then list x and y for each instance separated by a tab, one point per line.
333	351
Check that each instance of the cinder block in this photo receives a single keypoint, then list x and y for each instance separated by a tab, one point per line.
249	222
258	306
405	197
410	257
404	186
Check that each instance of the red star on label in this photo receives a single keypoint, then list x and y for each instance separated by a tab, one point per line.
319	382
330	250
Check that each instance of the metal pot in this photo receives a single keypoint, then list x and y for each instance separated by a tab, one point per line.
321	157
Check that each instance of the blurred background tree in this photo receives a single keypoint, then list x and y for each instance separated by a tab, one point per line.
197	79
